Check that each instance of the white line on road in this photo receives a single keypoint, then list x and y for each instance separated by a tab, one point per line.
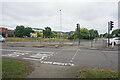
14	50
32	59
53	63
74	56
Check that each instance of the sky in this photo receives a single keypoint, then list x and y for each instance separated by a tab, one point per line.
94	14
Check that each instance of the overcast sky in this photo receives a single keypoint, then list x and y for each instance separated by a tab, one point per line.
40	14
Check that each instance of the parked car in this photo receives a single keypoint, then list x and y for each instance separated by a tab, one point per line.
2	39
115	41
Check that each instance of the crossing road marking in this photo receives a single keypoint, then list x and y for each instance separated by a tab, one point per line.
14	50
14	54
49	62
74	56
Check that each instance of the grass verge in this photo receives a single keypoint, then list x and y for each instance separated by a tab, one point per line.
15	69
98	74
35	39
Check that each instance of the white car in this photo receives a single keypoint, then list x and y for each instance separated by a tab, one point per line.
2	39
114	41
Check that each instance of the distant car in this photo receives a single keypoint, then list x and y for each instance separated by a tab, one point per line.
115	41
2	39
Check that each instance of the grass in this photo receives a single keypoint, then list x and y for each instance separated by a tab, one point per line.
75	40
98	74
15	69
35	39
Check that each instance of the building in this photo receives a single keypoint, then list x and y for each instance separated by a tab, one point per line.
3	29
6	33
33	35
38	29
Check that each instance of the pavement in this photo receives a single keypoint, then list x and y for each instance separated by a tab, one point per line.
60	62
53	71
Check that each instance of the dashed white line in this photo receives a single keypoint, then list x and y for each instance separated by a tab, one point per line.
74	56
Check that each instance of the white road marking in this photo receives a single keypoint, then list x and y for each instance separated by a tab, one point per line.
14	50
74	56
53	63
14	54
32	59
47	52
42	55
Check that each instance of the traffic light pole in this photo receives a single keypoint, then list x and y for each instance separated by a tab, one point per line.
78	30
110	26
108	34
79	37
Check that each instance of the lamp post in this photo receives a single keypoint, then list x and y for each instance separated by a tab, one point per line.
60	24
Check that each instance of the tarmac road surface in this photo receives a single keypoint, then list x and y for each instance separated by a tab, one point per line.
64	57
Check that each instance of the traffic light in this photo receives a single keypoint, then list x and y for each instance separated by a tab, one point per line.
111	25
78	27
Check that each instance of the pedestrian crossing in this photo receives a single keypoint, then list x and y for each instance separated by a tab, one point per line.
42	57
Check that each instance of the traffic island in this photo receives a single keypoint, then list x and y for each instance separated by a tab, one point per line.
39	46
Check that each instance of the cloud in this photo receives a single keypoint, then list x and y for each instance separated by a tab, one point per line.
91	15
59	0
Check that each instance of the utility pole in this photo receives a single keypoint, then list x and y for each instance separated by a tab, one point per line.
60	25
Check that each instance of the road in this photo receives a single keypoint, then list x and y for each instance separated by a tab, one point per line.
64	57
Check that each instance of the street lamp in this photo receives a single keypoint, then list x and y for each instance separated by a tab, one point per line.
60	24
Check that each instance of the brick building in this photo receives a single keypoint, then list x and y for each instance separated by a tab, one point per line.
6	33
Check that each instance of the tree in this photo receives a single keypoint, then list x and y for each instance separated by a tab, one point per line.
27	31
96	33
92	34
71	37
116	33
19	31
75	34
38	33
101	35
105	35
65	36
84	33
47	32
53	34
58	35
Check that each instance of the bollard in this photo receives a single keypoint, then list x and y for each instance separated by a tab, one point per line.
112	44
